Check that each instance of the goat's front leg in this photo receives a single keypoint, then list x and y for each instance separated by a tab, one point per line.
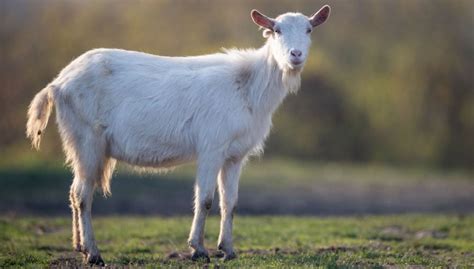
228	192
206	178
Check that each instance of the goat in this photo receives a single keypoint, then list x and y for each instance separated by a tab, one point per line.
160	112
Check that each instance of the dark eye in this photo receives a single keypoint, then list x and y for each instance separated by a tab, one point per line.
309	31
278	31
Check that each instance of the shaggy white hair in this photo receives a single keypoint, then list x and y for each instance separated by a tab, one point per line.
155	111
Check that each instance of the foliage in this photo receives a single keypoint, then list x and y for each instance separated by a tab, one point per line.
387	81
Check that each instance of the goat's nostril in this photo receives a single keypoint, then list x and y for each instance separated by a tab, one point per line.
296	53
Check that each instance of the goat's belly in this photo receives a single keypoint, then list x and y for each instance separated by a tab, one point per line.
158	160
166	162
157	155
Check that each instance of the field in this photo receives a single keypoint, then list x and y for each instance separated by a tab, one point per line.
369	165
375	241
272	229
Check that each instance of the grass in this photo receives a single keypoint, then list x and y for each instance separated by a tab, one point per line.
264	241
444	239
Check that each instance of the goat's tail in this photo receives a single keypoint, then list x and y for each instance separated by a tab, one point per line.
38	115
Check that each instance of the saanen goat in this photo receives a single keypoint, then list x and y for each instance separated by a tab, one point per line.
155	111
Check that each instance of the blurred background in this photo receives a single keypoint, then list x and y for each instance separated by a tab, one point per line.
383	123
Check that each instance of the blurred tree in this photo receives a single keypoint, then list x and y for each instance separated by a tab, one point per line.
387	81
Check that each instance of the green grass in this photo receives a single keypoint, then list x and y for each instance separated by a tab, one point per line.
373	241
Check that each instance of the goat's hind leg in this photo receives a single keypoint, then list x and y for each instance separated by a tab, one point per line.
85	147
83	192
76	237
88	164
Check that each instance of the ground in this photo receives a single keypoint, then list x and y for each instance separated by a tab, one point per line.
263	241
376	232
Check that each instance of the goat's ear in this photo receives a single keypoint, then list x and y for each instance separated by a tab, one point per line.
321	16
267	33
262	20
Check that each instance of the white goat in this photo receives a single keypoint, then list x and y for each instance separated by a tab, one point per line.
154	111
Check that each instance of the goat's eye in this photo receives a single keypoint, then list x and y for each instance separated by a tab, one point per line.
278	31
308	31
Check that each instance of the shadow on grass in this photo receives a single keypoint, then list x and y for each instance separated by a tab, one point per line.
45	192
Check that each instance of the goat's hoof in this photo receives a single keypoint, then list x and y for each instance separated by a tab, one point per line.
95	260
230	256
78	248
199	255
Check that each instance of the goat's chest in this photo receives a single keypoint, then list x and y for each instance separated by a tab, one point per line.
251	138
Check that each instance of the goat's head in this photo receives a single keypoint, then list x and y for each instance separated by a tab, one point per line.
289	35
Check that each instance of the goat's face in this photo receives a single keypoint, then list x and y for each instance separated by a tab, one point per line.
290	35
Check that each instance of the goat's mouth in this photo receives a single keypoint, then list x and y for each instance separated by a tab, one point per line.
295	64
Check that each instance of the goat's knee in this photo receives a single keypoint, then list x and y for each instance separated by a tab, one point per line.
81	194
208	203
228	208
204	203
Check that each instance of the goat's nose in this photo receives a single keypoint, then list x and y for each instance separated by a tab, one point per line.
295	52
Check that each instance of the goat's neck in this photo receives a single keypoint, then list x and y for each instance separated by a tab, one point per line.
270	84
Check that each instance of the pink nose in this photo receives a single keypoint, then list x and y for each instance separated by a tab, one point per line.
296	53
